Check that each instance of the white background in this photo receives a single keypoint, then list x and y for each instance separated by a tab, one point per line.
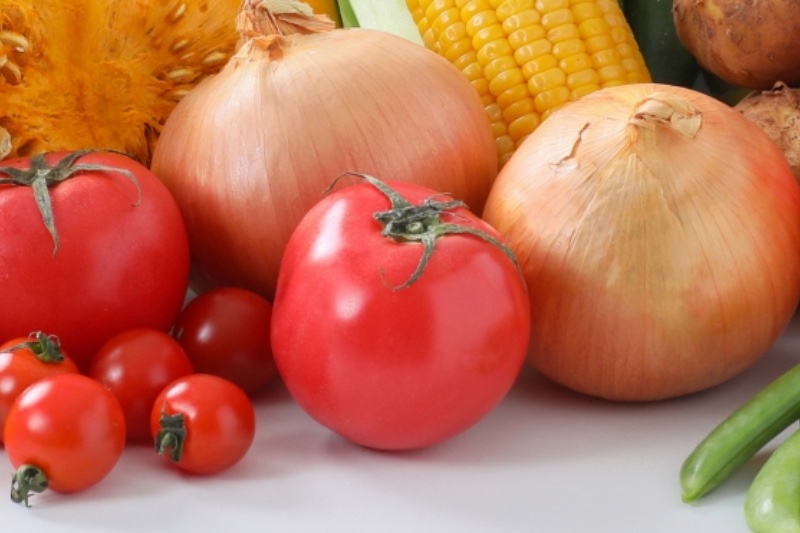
546	460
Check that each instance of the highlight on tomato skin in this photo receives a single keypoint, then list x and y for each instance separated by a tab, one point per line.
135	366
202	424
107	241
226	332
24	361
397	345
64	433
386	103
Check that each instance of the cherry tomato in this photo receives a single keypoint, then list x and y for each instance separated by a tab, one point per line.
65	433
135	366
114	255
203	424
225	332
391	342
24	361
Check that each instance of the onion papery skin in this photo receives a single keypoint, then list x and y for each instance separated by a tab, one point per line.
248	152
657	264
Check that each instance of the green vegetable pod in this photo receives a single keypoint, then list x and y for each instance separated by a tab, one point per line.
772	504
743	433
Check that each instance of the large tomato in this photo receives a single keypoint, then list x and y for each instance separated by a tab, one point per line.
104	249
388	351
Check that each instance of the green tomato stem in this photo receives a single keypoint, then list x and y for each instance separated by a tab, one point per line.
405	222
26	480
46	348
41	176
171	436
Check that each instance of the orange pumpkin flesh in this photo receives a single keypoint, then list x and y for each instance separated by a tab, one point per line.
80	74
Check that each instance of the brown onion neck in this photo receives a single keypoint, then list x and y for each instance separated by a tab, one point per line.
265	20
670	110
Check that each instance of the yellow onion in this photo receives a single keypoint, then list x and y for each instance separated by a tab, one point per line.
659	233
249	151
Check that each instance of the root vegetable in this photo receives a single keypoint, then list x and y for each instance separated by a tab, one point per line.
777	112
745	42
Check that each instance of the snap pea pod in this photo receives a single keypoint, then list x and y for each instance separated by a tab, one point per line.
772	504
737	438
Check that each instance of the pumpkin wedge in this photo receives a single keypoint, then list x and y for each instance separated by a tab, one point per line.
78	74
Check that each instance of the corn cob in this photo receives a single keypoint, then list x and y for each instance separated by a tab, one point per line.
527	58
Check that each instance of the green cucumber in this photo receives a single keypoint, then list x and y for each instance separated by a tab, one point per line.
665	56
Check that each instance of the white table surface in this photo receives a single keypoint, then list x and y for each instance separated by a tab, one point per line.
546	460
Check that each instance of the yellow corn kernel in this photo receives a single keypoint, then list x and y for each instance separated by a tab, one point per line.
453	34
522	36
466	60
586	11
518	13
444	20
559	17
549	79
454	51
528	58
564	32
568	49
505	148
546	6
582	78
495	115
576	63
495	68
538	65
523	126
512	95
494	50
505	81
517	110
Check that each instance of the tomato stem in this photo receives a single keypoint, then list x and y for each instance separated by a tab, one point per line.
26	480
41	176
46	348
171	436
405	222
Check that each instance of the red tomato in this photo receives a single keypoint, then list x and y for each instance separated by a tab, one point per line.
389	367
26	360
135	366
225	332
119	257
204	424
69	429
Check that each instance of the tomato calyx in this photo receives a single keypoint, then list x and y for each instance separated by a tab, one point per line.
26	480
405	222
41	176
46	348
171	436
